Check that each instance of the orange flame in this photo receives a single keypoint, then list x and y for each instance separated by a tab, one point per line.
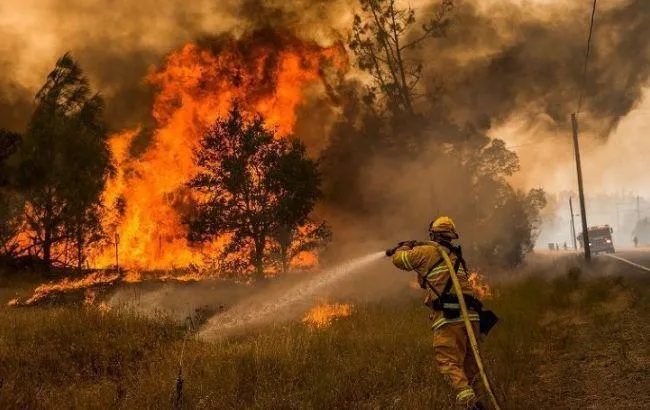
196	86
132	277
69	285
479	286
95	279
323	314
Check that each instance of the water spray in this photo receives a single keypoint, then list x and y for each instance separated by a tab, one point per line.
245	314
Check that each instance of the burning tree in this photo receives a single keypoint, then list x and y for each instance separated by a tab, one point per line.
64	163
257	189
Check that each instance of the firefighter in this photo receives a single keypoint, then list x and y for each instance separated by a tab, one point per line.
452	349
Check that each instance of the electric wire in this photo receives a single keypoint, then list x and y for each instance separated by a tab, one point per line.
587	53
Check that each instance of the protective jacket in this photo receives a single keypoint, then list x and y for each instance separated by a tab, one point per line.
433	275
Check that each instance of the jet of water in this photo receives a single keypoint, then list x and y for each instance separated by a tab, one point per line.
245	314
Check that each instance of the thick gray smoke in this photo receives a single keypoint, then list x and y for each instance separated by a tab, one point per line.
526	60
500	58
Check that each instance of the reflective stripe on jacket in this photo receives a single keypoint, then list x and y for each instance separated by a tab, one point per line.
421	259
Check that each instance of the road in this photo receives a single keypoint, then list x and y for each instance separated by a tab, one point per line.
638	258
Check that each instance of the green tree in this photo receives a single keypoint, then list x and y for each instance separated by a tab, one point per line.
64	165
255	188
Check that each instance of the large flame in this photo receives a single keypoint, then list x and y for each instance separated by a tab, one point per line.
264	73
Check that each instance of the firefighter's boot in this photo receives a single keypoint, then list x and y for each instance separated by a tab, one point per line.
477	406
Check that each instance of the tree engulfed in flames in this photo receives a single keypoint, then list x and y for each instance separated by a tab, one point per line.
263	72
323	314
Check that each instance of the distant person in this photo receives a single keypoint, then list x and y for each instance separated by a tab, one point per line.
557	246
451	344
636	241
566	248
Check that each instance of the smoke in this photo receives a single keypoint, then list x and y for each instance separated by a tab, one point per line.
526	60
119	42
500	60
516	70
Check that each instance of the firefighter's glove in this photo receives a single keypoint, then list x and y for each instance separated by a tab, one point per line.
408	244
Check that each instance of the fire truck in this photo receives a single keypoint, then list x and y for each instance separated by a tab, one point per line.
600	239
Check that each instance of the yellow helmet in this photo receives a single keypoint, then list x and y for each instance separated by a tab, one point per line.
445	227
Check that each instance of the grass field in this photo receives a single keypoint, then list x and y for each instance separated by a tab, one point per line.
578	340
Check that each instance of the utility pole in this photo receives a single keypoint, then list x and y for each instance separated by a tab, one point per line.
583	212
573	226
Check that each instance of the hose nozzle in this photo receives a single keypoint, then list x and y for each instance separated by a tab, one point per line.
410	244
391	251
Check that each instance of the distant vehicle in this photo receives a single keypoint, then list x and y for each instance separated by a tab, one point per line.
600	239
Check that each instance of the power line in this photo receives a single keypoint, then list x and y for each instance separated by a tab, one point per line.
543	141
584	72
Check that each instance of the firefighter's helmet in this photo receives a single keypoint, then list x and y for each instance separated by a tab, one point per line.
443	227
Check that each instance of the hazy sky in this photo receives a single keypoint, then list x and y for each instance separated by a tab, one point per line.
618	164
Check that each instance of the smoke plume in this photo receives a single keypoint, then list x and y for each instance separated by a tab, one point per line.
526	60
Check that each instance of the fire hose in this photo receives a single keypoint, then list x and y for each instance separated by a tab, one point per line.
463	308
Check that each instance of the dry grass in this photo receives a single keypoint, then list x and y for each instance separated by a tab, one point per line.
380	357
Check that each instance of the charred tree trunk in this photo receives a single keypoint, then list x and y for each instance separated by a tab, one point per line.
284	240
79	247
258	258
285	258
47	249
48	230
